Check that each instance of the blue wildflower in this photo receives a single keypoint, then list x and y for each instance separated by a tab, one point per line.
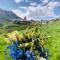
28	53
19	53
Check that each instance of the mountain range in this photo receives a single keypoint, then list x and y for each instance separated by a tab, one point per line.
7	16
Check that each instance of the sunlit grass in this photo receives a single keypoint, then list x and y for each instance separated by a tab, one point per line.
52	30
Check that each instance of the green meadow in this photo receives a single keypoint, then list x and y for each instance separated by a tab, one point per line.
51	29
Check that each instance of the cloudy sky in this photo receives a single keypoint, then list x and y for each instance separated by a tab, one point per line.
33	9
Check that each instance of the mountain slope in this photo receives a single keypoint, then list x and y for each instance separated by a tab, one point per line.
7	15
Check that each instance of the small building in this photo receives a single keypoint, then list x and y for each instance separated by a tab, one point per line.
22	21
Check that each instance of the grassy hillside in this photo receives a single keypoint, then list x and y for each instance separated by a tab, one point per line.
52	30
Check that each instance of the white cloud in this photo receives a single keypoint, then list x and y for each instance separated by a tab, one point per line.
35	12
33	4
39	11
17	1
23	7
45	1
19	13
52	5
